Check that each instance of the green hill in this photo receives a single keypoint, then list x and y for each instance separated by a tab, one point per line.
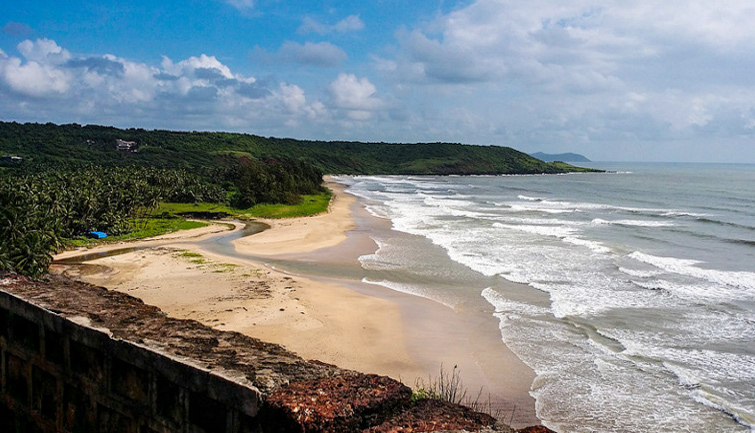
54	145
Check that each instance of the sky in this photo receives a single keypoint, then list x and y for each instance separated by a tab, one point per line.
614	80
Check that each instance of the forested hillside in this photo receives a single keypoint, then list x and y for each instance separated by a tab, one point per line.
74	144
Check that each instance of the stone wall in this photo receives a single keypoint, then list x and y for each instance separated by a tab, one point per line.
62	375
80	358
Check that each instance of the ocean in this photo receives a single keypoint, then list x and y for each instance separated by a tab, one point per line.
631	293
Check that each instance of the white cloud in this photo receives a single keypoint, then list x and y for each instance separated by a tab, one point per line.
194	93
192	65
352	93
352	23
34	79
40	75
293	97
575	73
494	40
43	51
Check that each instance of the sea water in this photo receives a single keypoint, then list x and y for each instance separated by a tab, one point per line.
636	298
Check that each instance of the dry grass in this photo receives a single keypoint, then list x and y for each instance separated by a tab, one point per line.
449	387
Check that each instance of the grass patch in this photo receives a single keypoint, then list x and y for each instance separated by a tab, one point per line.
218	268
160	226
192	256
309	205
224	268
179	208
144	228
234	153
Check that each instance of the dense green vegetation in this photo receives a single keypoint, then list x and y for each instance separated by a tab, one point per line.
53	144
59	182
43	208
40	211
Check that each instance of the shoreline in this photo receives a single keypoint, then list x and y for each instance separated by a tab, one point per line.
439	335
339	321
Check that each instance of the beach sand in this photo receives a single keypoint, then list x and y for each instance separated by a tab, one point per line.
342	322
301	235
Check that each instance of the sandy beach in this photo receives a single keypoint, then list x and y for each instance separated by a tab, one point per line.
317	320
303	235
342	322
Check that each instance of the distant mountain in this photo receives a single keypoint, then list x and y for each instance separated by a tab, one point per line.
563	157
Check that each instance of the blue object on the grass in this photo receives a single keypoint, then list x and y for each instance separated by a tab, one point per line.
97	235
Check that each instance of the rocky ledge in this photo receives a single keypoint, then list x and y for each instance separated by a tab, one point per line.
298	395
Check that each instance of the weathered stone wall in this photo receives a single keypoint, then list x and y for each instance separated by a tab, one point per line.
63	376
80	358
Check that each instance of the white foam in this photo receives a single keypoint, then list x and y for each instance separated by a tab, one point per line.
410	290
745	417
523	208
555	231
536	221
596	247
646	384
527	198
544	205
699	292
503	305
679	213
739	279
377	211
376	260
639	273
687	377
566	232
635	223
